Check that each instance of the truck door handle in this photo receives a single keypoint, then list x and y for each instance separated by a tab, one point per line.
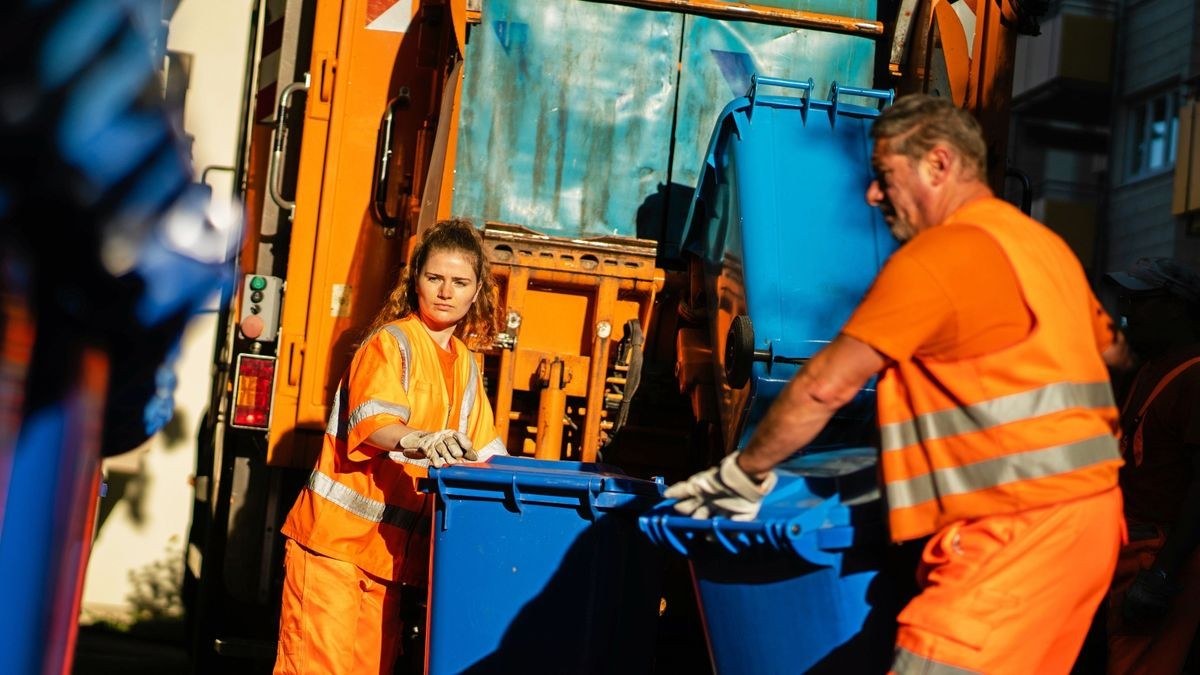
277	143
383	161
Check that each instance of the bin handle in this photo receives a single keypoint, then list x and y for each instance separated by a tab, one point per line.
802	535
660	532
805	87
670	535
836	91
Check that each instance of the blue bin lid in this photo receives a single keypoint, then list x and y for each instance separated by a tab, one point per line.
522	480
824	504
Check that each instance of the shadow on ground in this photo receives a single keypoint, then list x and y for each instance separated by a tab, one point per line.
102	650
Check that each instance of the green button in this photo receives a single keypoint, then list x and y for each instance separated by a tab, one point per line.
257	283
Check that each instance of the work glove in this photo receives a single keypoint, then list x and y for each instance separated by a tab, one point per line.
440	447
1147	600
723	490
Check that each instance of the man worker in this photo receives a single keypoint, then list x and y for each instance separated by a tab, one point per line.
996	414
1154	605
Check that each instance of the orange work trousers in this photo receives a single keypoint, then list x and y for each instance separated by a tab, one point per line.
1011	593
1163	648
335	619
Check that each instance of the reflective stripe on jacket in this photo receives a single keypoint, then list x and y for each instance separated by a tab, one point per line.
361	504
1027	426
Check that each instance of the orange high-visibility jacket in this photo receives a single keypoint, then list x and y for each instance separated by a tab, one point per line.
1027	426
361	504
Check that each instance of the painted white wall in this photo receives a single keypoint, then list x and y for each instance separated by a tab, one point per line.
147	525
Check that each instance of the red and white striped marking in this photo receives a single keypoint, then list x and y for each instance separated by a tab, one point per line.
268	64
389	15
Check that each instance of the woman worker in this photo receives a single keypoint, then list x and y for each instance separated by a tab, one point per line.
412	397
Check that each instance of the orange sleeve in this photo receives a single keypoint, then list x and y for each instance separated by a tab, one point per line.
904	308
377	396
950	293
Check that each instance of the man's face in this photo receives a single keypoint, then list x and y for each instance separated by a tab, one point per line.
897	191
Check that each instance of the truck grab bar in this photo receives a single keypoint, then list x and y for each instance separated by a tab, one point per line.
383	162
280	132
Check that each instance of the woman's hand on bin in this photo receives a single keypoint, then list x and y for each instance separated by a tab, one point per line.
441	448
723	490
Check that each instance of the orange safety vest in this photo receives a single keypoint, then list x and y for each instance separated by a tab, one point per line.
1030	425
368	511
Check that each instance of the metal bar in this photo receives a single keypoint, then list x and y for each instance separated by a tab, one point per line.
518	281
898	61
606	300
552	406
778	16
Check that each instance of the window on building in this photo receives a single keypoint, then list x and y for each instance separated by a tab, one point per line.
1154	124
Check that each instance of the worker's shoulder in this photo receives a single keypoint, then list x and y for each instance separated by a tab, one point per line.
953	245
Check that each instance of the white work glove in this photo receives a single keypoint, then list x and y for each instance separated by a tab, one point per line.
723	490
439	447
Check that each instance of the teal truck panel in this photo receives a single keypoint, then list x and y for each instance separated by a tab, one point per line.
583	119
566	115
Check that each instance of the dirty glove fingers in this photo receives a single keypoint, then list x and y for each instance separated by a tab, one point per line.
447	450
468	448
680	490
457	443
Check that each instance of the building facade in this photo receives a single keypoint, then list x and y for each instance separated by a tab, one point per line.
1103	108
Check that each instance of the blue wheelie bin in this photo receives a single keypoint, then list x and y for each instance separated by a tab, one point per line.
539	567
804	588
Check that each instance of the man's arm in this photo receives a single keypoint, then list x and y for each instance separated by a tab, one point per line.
827	382
735	488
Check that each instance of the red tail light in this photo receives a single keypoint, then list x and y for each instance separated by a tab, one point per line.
252	391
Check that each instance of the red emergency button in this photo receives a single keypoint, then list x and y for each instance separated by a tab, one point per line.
252	326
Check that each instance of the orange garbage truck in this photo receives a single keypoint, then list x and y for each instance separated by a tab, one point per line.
573	133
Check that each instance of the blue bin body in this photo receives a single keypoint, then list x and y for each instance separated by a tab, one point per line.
781	226
539	567
804	588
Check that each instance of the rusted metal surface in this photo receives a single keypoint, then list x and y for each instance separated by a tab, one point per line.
565	128
780	14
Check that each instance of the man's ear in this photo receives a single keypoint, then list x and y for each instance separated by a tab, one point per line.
941	163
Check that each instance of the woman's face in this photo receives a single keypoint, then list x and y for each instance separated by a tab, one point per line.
446	287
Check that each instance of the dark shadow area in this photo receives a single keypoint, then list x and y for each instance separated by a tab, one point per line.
1093	656
130	487
149	648
661	217
232	604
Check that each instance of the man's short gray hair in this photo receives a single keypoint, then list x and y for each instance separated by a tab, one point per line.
917	122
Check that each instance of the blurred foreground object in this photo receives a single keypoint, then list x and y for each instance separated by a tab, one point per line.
106	250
